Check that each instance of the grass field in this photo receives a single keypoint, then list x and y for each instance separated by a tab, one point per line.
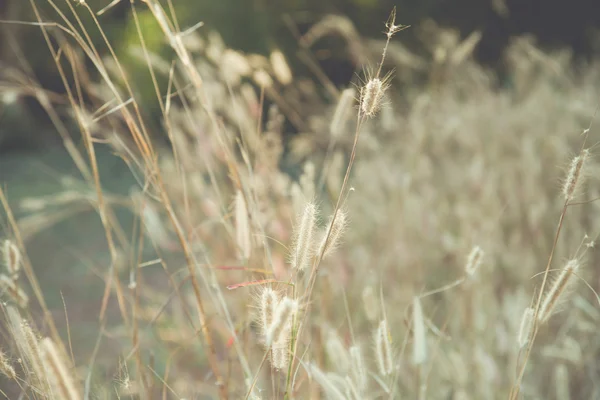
423	232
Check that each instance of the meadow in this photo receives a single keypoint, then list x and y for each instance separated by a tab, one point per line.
424	231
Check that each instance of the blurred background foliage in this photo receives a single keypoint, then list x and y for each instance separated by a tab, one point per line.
258	26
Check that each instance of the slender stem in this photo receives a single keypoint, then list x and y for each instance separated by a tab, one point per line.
514	393
317	262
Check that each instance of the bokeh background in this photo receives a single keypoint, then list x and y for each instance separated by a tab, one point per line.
258	26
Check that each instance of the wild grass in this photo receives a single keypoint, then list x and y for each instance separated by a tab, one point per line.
410	254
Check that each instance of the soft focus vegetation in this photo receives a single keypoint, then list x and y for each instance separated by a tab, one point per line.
424	234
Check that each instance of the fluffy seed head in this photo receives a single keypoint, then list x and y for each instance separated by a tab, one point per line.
304	237
11	257
336	352
371	96
557	289
59	378
525	327
5	368
279	329
10	287
575	175
268	300
383	349
29	347
280	332
328	245
280	356
358	370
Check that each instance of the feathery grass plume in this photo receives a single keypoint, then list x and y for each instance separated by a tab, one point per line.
419	333
370	303
336	352
33	351
5	368
575	175
383	349
14	291
371	95
61	382
302	250
267	304
358	371
281	322
326	382
27	344
328	245
269	301
281	70
474	260
242	226
525	327
11	257
342	112
557	289
280	356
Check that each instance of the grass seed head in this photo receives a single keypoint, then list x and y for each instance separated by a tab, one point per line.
575	175
16	294
268	300
11	257
331	241
6	368
371	96
383	349
280	356
302	250
61	382
336	352
557	289
526	327
280	327
358	371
